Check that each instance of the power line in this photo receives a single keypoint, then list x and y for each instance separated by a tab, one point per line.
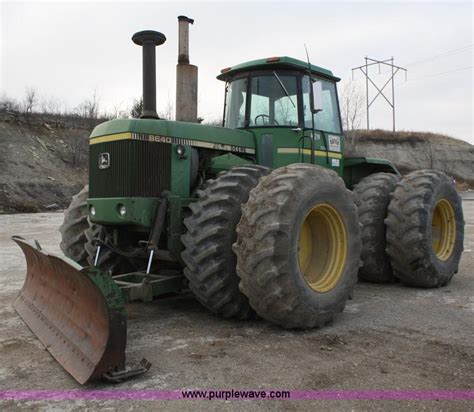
450	71
394	70
437	74
438	56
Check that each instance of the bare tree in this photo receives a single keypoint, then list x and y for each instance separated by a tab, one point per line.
89	108
352	107
137	108
169	109
78	151
8	104
30	100
117	112
50	105
215	122
285	110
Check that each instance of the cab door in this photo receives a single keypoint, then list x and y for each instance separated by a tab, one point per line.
274	116
325	122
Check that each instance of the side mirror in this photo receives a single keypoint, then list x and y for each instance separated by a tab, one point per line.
317	96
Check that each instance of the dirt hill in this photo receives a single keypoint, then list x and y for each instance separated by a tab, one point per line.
43	162
43	159
416	150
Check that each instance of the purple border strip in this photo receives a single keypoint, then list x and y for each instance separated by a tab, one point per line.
404	395
152	395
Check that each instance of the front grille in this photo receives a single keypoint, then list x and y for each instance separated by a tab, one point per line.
137	169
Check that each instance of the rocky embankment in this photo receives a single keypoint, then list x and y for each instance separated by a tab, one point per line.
43	162
416	150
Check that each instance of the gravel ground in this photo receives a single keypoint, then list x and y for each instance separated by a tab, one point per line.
389	337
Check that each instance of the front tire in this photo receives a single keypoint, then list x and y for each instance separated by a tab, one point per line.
298	246
210	262
425	229
73	228
78	234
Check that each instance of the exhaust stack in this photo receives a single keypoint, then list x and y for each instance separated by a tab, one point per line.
186	76
149	39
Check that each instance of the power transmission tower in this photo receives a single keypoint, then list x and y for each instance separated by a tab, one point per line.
394	70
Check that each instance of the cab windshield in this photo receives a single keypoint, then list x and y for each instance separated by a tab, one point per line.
273	101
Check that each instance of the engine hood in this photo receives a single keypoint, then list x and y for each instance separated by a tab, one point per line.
193	134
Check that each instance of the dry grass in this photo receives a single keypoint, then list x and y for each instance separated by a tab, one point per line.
378	135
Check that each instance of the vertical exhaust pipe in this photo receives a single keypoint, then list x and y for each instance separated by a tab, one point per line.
183	39
186	76
149	39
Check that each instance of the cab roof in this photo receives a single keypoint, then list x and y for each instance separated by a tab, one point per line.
283	62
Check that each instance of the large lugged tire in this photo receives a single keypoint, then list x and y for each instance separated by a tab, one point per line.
74	226
77	235
210	262
372	196
298	246
425	229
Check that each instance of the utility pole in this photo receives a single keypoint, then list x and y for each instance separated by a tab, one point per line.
394	70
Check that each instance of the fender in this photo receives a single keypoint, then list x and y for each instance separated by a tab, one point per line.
356	168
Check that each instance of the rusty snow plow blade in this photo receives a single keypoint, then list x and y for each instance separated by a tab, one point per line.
77	313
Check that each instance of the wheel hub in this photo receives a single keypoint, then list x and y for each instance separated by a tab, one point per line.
443	230
322	248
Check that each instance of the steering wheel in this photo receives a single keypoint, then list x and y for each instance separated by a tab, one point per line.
265	116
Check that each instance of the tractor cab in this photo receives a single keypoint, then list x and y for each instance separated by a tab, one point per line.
294	103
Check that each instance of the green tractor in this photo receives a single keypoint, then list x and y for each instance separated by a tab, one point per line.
263	216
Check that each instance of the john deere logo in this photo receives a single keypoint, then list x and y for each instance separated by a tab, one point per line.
104	160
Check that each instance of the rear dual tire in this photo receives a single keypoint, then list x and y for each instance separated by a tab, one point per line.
412	229
425	229
372	197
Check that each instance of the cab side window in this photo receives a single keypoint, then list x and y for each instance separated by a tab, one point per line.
328	119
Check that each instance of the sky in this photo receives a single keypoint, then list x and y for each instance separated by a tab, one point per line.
68	50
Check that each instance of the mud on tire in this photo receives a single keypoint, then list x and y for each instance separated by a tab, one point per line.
210	261
372	196
425	229
269	253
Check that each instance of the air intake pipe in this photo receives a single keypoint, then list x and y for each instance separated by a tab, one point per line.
186	76
149	39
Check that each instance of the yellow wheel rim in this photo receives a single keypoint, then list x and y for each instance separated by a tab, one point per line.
322	248
443	230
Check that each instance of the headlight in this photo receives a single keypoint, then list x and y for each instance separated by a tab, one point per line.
181	151
122	210
92	211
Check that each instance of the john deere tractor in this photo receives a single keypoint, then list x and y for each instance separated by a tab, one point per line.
263	216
